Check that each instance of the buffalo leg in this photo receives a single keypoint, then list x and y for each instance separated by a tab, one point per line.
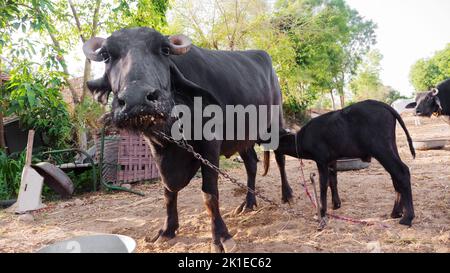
250	161
221	238
333	186
171	224
401	179
397	211
286	190
323	174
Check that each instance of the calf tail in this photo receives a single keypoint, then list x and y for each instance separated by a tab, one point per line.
402	123
266	162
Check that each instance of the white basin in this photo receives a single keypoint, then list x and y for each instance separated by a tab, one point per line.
102	243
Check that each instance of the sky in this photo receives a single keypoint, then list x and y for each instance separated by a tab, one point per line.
408	30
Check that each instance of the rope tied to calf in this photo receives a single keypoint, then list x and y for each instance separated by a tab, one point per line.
334	216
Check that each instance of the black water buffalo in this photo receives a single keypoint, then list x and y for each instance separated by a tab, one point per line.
435	101
363	130
149	74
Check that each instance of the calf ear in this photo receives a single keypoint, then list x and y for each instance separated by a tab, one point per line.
100	88
186	89
411	105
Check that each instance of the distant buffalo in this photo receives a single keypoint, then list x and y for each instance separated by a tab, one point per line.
436	101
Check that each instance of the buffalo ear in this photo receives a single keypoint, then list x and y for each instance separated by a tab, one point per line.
411	105
184	88
100	88
438	103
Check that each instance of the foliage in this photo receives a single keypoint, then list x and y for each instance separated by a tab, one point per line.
148	13
86	115
427	73
393	95
367	83
329	39
10	174
34	96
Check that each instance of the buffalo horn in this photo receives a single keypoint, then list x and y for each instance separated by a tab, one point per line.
179	44
90	49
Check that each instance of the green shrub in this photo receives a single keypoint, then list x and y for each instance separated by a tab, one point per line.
35	97
10	174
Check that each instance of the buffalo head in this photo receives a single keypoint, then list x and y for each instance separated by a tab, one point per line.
138	72
427	103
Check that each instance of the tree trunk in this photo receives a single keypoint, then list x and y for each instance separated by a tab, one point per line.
332	100
82	140
62	61
86	77
342	98
87	63
82	135
341	90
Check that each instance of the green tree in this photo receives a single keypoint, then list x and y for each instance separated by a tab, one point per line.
367	83
393	95
34	96
329	39
56	27
138	13
427	73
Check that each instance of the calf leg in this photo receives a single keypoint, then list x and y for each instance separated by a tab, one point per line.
333	186
221	238
401	179
250	161
397	211
323	173
286	190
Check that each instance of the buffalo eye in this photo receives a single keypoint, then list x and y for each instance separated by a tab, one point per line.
105	55
165	51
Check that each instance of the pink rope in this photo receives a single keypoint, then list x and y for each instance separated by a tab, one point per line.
341	218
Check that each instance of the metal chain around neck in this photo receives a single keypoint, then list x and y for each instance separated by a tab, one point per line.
182	143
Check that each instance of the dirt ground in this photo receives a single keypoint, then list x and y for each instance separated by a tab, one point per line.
366	194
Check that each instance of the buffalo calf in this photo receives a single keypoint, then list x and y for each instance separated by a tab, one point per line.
363	130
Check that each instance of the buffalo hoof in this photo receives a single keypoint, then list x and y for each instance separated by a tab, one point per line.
396	214
322	224
287	197
229	246
406	221
162	237
336	205
244	208
225	246
217	248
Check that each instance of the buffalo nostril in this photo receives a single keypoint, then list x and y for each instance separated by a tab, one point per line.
153	95
121	102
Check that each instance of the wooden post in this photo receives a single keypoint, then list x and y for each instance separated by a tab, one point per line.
29	154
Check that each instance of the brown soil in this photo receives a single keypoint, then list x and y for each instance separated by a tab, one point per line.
366	194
